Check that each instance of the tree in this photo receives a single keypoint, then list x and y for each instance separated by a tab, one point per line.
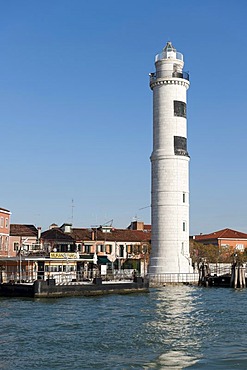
215	254
200	251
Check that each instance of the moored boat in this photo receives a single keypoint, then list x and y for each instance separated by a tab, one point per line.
49	288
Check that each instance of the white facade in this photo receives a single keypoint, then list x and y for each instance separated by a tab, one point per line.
170	166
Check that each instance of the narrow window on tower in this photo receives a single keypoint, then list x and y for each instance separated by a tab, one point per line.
179	108
180	146
184	226
183	197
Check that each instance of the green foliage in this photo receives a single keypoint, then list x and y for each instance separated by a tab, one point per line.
212	253
199	252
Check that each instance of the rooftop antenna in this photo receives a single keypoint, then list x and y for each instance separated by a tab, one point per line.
144	207
72	210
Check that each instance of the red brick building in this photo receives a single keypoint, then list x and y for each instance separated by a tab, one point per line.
226	238
4	232
23	238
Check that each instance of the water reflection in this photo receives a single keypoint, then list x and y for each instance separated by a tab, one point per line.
176	326
170	328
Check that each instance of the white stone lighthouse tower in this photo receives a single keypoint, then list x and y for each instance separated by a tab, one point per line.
170	167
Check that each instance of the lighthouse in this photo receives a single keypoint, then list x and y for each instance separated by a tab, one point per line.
170	167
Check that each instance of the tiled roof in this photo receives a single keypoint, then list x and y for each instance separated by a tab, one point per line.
126	235
123	235
222	234
23	230
80	234
57	235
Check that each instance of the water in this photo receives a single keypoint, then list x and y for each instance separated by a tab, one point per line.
169	328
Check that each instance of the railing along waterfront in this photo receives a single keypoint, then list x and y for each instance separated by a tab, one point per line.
173	278
220	268
65	277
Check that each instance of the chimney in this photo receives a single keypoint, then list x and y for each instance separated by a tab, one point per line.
53	226
137	225
39	233
66	228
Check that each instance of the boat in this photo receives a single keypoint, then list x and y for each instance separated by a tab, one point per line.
50	289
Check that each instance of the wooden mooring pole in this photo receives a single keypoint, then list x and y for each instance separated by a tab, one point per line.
238	275
203	274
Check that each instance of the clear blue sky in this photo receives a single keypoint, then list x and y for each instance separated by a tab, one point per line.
76	108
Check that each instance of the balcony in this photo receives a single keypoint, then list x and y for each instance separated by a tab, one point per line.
185	75
181	152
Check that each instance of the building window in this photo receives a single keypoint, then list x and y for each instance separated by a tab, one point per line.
6	222
6	243
180	146
179	109
101	248
183	197
108	248
184	226
16	246
121	251
136	249
240	247
1	222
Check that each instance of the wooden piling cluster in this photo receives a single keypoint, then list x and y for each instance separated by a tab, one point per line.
238	275
204	273
234	279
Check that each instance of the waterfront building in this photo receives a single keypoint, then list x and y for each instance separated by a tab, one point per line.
57	240
4	232
224	239
66	253
23	238
219	249
170	167
116	249
28	267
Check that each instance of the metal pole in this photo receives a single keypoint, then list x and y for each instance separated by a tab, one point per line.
20	275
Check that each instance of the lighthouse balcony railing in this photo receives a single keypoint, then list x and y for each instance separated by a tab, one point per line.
181	152
184	75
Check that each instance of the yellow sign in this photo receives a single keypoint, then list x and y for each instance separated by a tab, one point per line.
63	255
